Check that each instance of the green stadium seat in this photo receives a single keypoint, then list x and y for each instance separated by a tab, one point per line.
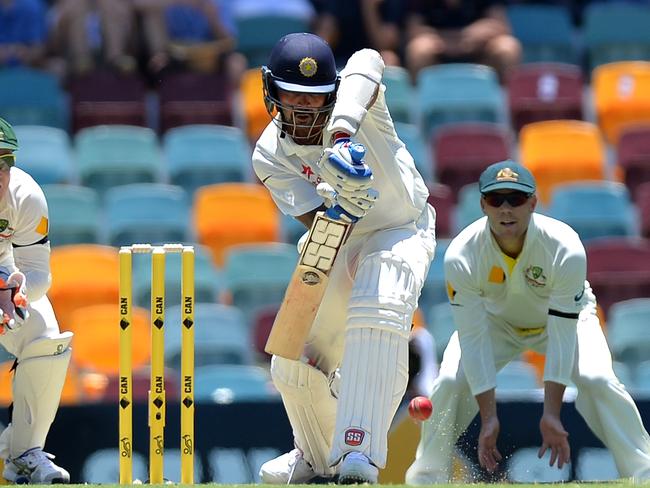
75	214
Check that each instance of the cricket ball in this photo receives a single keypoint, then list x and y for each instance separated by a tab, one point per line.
420	408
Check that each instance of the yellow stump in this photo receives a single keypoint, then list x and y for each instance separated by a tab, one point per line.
157	385
126	395
187	367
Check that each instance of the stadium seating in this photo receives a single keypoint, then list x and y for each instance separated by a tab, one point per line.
633	156
198	155
627	334
458	92
643	204
616	31
111	155
468	208
442	198
250	104
434	290
463	151
221	336
441	324
75	214
621	92
45	153
257	275
146	212
234	213
104	97
412	138
194	98
544	31
399	93
97	342
544	91
35	98
595	209
291	229
141	385
641	385
257	34
561	151
230	383
82	275
618	269
262	325
208	283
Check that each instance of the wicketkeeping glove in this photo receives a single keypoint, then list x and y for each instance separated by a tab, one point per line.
13	302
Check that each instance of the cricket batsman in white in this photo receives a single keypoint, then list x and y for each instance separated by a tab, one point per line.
28	327
363	323
517	281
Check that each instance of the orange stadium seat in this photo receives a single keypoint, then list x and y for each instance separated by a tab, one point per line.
254	113
97	340
82	274
621	96
234	213
561	151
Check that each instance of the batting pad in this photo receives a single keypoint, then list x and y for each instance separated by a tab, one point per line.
37	387
374	372
311	409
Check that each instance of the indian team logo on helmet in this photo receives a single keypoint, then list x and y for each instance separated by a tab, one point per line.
506	174
308	67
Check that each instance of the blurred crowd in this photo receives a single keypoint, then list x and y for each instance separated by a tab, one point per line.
69	37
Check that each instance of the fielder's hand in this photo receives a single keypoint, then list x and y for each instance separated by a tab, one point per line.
13	302
343	167
555	438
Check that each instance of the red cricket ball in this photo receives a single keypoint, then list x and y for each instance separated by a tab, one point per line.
420	408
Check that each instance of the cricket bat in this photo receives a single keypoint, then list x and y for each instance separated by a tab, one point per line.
307	287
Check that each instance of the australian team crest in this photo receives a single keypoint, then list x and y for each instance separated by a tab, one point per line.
308	67
535	276
4	223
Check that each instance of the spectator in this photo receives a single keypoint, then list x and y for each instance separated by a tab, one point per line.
94	34
438	31
24	32
351	26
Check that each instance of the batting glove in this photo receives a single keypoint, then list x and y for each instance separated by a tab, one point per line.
343	167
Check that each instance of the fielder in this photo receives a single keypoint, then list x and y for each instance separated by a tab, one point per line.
362	327
28	327
516	281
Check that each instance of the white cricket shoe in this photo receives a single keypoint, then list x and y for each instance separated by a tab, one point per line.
290	468
417	476
356	468
35	467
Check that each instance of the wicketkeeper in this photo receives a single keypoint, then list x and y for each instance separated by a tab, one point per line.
28	327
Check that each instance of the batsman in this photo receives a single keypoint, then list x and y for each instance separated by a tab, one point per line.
332	147
28	327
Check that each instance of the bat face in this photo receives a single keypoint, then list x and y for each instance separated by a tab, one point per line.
307	287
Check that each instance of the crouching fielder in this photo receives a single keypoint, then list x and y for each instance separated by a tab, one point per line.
363	323
516	281
28	327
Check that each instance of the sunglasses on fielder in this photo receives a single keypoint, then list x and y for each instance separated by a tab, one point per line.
514	199
7	161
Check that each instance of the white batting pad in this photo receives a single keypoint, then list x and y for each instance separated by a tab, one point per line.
374	375
37	387
311	409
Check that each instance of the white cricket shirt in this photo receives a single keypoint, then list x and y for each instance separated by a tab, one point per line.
547	287
290	171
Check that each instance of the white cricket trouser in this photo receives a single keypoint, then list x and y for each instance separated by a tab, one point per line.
602	401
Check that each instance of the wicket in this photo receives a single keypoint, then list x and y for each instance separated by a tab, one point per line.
157	402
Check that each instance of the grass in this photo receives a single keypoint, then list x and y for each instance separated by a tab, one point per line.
618	484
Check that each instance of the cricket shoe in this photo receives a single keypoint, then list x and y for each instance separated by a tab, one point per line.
356	468
34	467
290	468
